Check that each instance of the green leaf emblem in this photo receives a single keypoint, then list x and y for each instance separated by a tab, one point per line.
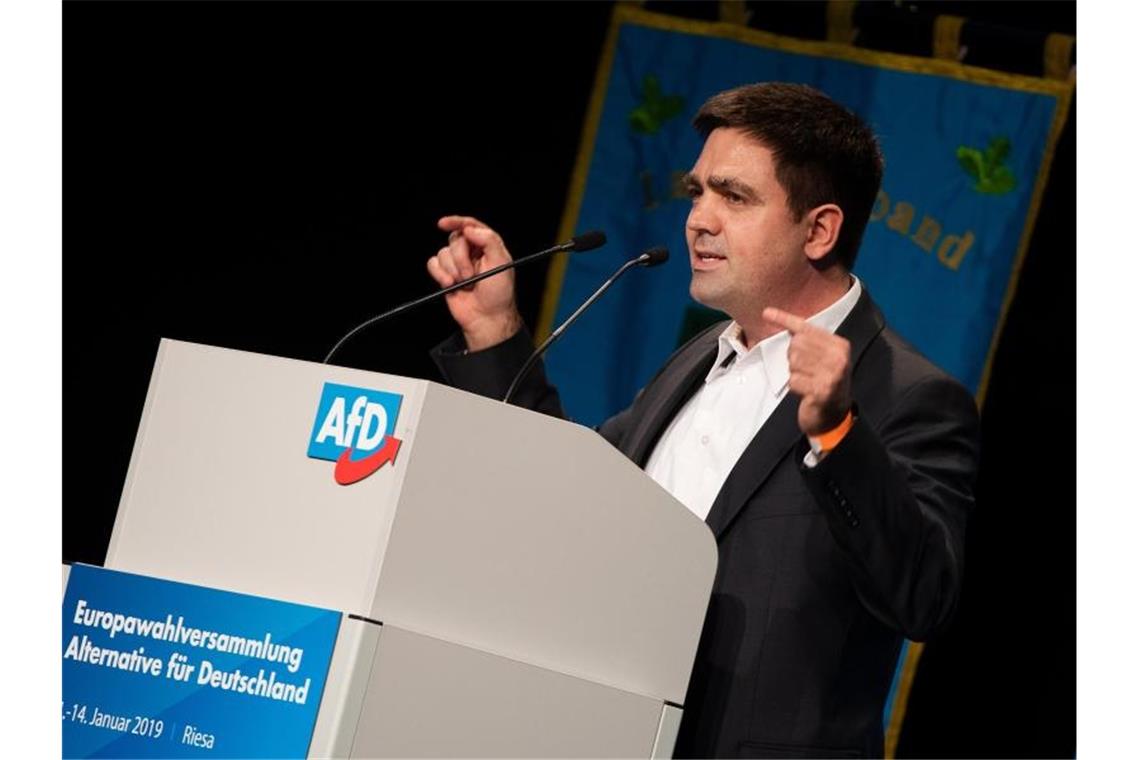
655	108
987	167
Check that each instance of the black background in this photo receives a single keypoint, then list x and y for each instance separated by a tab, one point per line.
265	176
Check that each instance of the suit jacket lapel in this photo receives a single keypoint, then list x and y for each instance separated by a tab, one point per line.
781	431
777	435
664	400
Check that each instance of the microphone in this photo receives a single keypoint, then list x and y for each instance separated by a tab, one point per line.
650	258
587	241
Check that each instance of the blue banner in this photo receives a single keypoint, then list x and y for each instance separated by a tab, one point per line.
966	156
153	668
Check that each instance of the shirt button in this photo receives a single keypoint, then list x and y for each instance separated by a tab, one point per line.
704	440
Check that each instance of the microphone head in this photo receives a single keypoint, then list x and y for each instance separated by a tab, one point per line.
588	241
655	256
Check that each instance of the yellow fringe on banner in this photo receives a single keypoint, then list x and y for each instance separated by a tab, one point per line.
1057	56
947	42
902	696
733	12
841	21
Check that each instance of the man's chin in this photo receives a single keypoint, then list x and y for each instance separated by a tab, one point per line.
705	296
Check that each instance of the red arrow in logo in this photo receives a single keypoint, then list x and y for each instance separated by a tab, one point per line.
347	472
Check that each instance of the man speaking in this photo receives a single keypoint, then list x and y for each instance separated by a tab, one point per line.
833	463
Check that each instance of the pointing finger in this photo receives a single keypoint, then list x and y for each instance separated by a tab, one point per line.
786	320
456	222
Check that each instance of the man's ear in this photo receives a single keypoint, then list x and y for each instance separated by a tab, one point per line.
824	223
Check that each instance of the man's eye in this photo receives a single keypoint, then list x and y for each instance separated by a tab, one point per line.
734	199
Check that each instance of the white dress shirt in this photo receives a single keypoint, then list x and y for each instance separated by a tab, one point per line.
700	447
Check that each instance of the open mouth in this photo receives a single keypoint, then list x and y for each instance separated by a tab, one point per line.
706	259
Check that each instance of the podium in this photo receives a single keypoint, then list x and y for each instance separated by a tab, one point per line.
511	584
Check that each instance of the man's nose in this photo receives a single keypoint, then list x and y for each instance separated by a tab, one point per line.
702	217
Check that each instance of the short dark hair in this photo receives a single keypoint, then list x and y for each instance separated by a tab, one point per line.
823	152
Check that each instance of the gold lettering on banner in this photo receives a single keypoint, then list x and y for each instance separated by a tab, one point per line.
953	249
928	232
950	250
882	206
902	217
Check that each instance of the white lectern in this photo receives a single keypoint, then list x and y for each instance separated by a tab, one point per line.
512	585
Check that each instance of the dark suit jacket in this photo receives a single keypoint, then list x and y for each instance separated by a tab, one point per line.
822	571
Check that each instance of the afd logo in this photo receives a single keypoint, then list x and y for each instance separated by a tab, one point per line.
354	428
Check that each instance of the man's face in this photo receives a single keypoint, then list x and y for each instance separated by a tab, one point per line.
745	249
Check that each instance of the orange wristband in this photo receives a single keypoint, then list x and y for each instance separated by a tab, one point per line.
829	440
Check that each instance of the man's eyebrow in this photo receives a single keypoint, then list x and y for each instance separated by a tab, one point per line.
732	185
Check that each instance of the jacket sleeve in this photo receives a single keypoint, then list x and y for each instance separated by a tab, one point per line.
896	498
490	372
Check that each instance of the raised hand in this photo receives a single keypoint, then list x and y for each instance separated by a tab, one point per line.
486	311
819	363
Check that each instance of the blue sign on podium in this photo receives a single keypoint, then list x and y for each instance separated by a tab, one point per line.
154	668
